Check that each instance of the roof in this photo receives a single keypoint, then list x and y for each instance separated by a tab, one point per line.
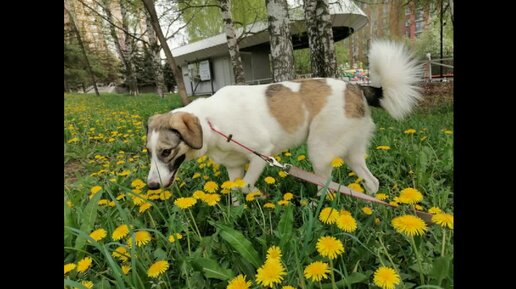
343	14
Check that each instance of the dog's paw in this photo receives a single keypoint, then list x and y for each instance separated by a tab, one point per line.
372	185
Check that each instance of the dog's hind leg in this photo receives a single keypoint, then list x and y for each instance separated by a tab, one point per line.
320	159
356	161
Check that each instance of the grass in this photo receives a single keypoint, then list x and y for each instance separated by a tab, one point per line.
104	141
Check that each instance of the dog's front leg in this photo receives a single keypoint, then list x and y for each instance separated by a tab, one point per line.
235	172
256	166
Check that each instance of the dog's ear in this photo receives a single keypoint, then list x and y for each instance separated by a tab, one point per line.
188	127
149	122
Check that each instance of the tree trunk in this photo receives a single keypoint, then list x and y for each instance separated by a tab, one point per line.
320	38
395	13
156	59
234	50
129	51
451	10
83	49
178	75
280	40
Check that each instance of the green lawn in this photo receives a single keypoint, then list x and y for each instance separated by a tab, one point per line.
105	165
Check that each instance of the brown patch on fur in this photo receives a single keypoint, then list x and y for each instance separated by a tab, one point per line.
353	102
289	107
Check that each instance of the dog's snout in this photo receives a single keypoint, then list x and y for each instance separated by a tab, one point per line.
153	185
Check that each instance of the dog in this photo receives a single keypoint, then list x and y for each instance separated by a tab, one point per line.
332	116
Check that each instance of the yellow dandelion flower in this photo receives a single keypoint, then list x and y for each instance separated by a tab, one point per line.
328	215
394	203
352	174
337	162
410	196
419	208
329	246
87	284
269	180
84	264
102	202
69	267
239	283
239	183
202	159
434	210
288	196
144	207
165	195
125	173
158	268
410	131
121	253
423	138
269	205
386	278
142	238
198	194
304	202
120	232
444	220
98	234
330	195
225	191
377	221
250	197
288	287
381	196
227	185
448	132
287	153
383	148
270	273
346	223
175	237
94	190
301	157
367	210
316	271
139	200
274	252
69	204
211	199
196	175
355	187
211	187
283	203
282	174
126	269
120	196
185	203
409	225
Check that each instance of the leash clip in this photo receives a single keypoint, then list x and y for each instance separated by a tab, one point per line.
274	163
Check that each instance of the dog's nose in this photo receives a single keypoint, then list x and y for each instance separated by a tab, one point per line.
153	185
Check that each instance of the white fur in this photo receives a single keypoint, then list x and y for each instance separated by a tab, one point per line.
158	172
397	72
243	112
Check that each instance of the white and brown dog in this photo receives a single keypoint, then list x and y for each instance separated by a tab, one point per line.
332	116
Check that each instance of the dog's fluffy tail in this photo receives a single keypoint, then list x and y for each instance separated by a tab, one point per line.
397	72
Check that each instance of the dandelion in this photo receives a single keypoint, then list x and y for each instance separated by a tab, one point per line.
269	180
185	203
120	232
283	203
448	132
386	278
377	221
409	225
121	253
337	162
98	234
84	264
69	267
301	157
328	215
69	204
196	175
434	210
239	183
142	238
126	269
381	196
418	207
102	202
367	210
175	237
410	131
317	271
165	195
239	283
304	202
125	173
330	247
158	268
330	195
274	252
87	284
94	190
198	194
355	187
288	196
227	185
282	174
270	273
287	287
383	148
211	187
144	207
444	220
211	199
269	205
394	203
352	174
346	223
410	196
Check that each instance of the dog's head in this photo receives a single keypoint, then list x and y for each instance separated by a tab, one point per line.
170	137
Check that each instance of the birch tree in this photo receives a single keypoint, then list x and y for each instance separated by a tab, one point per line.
234	50
280	40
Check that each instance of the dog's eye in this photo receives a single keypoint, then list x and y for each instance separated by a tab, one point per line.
166	153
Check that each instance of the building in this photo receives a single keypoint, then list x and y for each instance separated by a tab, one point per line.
206	64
